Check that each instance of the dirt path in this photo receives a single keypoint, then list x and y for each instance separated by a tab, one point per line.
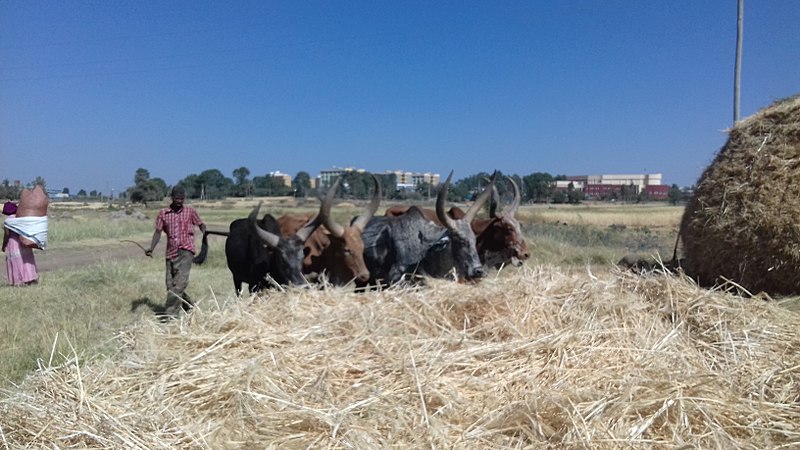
77	257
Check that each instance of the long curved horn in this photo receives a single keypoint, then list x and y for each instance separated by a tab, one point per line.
494	201
325	211
305	232
446	220
512	208
363	219
480	200
266	237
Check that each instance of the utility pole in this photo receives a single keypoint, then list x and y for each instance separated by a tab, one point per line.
737	76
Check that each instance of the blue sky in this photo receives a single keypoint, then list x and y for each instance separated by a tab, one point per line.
92	90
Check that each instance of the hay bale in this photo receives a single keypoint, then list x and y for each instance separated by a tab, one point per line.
742	223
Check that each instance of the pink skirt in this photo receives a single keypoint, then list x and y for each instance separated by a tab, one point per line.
20	265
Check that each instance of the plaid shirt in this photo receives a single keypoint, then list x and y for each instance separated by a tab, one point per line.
179	228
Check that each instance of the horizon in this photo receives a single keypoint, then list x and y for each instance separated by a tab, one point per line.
90	92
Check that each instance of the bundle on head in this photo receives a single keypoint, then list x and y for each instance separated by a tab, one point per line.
743	222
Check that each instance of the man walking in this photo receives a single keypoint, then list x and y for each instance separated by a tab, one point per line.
178	222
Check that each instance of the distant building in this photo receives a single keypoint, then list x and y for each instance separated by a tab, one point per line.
611	186
405	180
285	178
328	176
657	192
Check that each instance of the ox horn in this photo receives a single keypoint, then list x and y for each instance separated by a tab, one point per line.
494	201
305	232
363	219
325	211
481	199
446	220
268	238
511	209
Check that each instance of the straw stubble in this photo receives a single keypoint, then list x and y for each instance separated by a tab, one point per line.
533	358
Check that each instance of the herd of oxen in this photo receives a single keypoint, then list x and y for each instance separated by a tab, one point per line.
374	250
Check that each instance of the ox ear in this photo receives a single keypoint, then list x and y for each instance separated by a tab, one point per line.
511	209
363	219
481	199
441	197
325	211
266	237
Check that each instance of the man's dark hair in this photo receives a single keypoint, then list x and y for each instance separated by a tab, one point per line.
178	191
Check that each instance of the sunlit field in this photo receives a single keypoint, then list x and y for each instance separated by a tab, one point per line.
568	350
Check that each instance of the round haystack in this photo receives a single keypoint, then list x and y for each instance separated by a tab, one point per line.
743	223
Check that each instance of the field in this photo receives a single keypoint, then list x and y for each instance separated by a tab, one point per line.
567	351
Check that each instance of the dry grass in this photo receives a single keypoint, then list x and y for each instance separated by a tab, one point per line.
535	358
604	215
741	224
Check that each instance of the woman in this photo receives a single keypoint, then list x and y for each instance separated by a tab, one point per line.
20	264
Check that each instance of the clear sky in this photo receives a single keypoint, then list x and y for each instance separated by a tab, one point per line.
92	90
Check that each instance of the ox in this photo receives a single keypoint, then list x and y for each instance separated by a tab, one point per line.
255	249
333	248
499	238
411	243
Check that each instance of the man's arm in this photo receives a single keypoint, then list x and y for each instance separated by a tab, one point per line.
153	243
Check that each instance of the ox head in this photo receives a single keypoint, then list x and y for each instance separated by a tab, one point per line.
347	245
465	253
502	240
288	250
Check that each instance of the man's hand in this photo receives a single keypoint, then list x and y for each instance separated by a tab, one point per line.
149	252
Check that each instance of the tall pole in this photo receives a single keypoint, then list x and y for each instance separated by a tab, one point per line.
737	77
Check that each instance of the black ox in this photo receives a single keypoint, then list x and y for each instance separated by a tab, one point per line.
255	249
410	243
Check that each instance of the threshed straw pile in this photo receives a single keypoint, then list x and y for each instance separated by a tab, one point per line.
743	223
538	358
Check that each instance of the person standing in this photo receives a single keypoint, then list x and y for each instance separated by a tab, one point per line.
178	222
20	263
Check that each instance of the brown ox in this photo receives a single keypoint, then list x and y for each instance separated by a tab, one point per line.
499	238
335	249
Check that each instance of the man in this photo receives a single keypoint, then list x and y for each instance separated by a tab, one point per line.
178	222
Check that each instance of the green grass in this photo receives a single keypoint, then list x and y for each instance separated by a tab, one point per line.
77	313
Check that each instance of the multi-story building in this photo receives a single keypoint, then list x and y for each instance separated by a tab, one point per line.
613	185
285	178
328	176
405	180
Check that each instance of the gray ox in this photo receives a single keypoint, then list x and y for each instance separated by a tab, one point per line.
499	238
394	246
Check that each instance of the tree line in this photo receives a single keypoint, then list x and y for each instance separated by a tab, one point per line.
537	187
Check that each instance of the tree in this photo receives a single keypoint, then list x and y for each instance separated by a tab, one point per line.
9	191
94	194
82	193
539	186
65	191
388	184
301	184
242	183
146	189
210	183
40	181
674	194
574	196
140	176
